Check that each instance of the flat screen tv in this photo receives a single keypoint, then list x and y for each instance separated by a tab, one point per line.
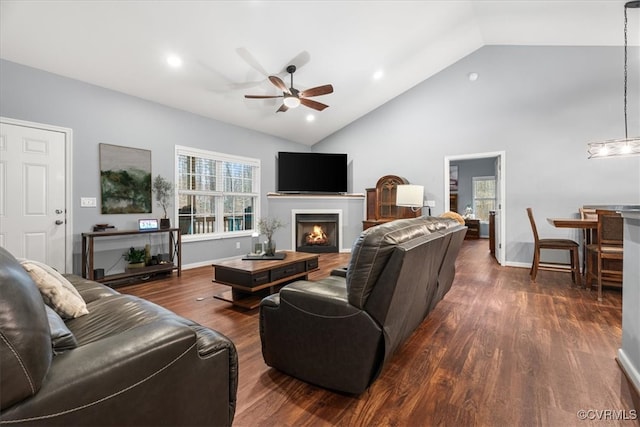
312	173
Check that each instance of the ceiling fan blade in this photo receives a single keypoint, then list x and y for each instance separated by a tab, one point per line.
277	82
251	60
313	104
317	91
263	96
282	108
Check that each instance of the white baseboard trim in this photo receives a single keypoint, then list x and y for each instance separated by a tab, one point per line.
196	265
517	264
632	372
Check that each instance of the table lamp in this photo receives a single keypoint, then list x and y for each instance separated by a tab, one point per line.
411	196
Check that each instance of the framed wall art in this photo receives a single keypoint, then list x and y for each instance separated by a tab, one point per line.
125	179
453	178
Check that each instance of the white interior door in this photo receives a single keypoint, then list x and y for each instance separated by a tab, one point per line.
499	214
33	194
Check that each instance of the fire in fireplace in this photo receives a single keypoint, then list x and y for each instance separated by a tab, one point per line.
317	233
316	237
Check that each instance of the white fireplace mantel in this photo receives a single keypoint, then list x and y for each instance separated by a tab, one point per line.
349	207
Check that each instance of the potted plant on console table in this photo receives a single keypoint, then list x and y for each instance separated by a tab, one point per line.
164	196
136	257
268	226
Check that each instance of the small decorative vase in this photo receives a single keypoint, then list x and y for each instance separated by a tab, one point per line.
165	223
270	248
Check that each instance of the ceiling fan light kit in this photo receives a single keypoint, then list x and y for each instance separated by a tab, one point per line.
291	101
292	97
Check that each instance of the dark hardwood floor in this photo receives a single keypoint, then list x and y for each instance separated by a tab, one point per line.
498	350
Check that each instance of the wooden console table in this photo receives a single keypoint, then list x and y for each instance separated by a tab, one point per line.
252	280
175	252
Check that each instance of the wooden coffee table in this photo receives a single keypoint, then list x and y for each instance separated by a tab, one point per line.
252	280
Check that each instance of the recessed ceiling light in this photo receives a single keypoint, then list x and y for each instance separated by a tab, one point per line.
378	75
473	77
310	117
174	61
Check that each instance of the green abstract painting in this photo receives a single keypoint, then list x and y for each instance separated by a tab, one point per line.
125	179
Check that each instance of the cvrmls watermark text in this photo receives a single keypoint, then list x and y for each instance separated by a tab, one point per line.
607	414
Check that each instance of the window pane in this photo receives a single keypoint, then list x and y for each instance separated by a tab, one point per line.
238	178
184	172
205	174
196	214
483	207
485	189
484	197
238	213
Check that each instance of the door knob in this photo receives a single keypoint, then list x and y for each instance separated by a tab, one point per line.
59	222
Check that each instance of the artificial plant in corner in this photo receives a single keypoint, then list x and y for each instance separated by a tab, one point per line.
163	190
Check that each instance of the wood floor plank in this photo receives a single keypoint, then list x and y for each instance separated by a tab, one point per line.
499	350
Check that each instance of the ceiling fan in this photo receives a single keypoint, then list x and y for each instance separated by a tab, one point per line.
294	97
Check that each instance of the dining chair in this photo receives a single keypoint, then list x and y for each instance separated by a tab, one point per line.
604	257
556	244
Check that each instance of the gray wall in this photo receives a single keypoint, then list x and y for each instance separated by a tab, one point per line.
541	105
97	115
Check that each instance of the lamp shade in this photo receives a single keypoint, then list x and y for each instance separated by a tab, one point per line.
410	195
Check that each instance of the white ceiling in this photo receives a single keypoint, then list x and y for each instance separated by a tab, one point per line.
230	47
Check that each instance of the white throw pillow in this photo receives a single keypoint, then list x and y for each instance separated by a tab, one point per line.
57	292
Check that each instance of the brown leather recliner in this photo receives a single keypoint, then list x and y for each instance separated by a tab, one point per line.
131	362
338	332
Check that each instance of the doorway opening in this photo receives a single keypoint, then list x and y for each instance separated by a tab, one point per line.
452	194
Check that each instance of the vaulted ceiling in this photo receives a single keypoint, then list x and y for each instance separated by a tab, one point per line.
229	48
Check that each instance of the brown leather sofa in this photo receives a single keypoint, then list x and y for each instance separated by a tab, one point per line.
338	332
131	362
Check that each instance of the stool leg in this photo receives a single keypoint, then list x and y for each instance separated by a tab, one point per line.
587	275
599	278
576	267
534	265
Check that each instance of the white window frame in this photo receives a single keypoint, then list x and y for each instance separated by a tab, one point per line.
473	193
219	232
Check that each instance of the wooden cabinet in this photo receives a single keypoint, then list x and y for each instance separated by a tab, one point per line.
453	202
175	243
381	202
473	228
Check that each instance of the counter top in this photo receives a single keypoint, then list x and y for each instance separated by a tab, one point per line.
621	208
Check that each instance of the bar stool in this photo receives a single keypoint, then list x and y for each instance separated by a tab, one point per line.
556	244
608	249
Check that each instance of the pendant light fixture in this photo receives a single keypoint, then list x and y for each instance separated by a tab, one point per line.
619	147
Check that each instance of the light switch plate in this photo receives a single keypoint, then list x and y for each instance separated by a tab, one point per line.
88	202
